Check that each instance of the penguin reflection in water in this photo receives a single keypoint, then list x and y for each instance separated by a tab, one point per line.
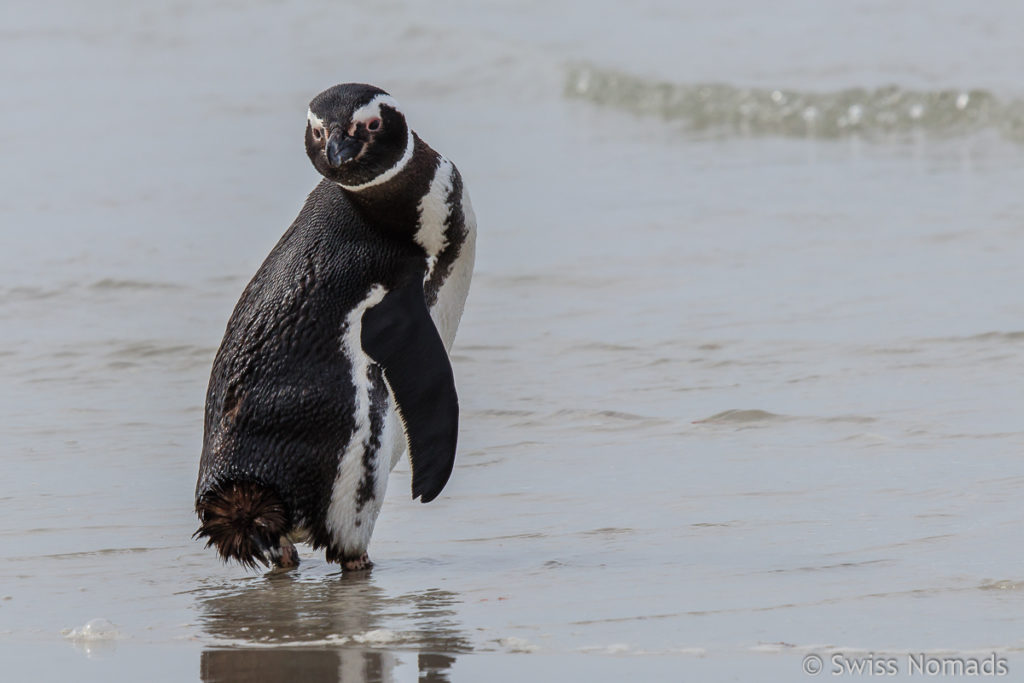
335	359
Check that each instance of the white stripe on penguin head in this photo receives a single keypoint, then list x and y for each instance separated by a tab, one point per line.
371	109
313	119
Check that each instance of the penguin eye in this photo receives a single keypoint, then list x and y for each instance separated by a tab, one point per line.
373	124
317	133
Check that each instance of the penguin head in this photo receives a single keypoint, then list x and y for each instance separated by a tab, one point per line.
356	135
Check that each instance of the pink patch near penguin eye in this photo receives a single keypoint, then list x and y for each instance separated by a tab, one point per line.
373	124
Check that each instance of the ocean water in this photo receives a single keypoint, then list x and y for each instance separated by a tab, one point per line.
739	371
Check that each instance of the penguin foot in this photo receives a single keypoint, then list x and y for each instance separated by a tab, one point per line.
289	557
358	564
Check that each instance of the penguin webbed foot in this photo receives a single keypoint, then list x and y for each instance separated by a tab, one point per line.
287	557
357	564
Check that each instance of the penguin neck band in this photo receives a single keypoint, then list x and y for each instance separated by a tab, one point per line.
391	172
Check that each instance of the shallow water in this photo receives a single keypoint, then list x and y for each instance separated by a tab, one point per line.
733	391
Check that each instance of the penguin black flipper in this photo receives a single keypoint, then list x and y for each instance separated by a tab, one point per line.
399	335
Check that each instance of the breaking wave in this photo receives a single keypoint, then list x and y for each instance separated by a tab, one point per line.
868	112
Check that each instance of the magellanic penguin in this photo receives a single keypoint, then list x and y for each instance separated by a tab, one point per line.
335	359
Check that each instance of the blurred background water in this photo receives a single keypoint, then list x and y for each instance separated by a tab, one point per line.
739	372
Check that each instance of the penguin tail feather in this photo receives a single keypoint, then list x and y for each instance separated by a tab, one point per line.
245	521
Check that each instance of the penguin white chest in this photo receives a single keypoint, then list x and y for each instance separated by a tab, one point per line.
447	227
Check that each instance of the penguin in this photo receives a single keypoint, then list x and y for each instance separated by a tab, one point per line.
335	359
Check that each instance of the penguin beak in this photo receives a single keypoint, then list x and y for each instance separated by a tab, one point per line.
341	148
